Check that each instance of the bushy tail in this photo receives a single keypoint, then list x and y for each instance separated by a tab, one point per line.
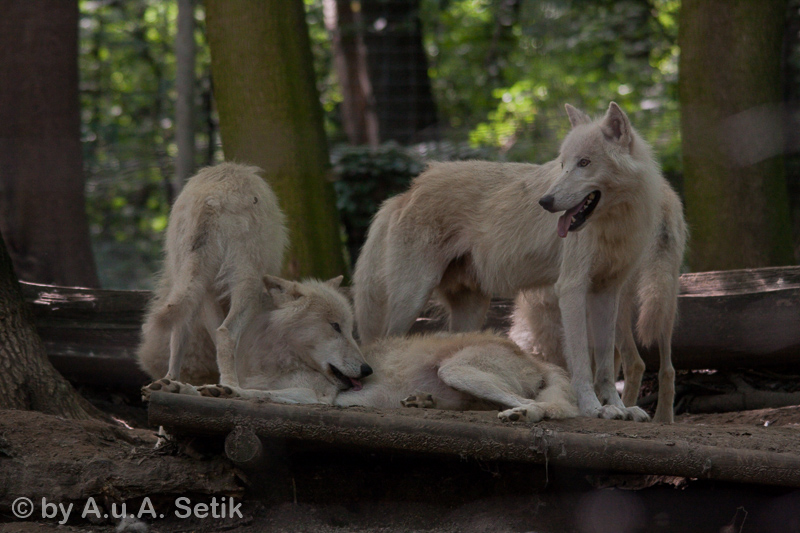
658	285
536	324
369	278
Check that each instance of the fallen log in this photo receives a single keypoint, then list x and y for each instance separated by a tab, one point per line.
90	335
676	450
732	319
726	320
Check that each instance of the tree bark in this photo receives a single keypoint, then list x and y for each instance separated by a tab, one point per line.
732	133
358	115
42	202
270	116
184	86
27	379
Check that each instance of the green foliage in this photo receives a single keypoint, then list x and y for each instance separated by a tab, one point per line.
503	69
127	73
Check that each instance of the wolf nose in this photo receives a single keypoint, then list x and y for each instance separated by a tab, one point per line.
366	370
547	202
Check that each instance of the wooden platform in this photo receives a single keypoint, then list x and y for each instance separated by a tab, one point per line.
768	456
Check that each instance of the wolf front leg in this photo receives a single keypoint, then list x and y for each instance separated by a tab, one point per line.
602	319
572	301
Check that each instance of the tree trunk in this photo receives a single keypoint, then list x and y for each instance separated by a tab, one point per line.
27	379
732	132
398	69
184	86
42	202
270	116
358	115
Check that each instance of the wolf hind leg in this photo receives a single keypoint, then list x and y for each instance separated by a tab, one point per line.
479	372
467	308
245	297
409	290
632	364
666	382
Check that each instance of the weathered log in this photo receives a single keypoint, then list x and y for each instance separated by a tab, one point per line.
244	447
728	319
733	319
674	450
90	335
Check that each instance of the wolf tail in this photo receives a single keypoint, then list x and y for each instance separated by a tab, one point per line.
657	290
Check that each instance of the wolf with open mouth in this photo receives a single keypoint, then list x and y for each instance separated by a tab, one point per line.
468	231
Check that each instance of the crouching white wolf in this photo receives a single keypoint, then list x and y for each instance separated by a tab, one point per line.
472	230
650	295
225	233
313	359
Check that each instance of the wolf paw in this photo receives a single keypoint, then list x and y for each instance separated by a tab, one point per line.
514	414
419	399
166	385
610	412
636	414
217	391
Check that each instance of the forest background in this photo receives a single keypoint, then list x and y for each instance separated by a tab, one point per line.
451	79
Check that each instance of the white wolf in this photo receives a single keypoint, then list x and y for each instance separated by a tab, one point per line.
313	358
653	290
472	230
225	233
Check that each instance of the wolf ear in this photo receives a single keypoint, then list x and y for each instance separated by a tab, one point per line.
282	291
616	126
576	116
335	282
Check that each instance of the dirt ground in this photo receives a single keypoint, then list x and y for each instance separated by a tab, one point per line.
328	490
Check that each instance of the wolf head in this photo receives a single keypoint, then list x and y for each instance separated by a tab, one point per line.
315	322
598	159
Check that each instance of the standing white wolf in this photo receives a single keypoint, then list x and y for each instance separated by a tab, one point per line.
308	332
652	290
225	233
472	230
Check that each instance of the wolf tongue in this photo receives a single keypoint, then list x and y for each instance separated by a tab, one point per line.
356	384
566	219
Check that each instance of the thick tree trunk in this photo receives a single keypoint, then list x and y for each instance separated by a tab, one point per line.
732	132
270	116
358	115
27	379
184	87
42	203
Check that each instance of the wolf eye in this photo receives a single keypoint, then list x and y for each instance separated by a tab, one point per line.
583	163
336	327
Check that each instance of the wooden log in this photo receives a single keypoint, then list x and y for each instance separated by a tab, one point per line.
728	319
244	448
90	335
733	319
580	443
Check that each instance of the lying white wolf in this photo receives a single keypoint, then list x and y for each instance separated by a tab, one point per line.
313	359
225	233
653	291
472	230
